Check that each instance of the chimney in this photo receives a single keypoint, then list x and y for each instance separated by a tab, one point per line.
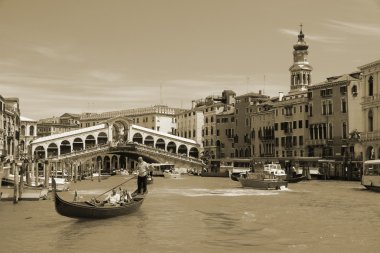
259	92
280	95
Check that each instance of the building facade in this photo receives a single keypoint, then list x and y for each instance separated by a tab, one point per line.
28	132
262	130
246	105
370	105
9	129
159	117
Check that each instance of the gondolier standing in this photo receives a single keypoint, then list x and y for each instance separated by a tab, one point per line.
142	170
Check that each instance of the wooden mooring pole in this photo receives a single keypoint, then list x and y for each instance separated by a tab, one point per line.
15	188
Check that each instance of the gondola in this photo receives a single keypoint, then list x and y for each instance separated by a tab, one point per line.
92	211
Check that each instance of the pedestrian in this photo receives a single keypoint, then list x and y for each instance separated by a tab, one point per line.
142	172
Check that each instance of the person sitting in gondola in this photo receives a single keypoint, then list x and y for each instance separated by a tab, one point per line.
126	197
113	199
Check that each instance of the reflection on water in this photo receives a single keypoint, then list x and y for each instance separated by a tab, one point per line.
207	215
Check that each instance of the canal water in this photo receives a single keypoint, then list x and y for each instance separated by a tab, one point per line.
196	214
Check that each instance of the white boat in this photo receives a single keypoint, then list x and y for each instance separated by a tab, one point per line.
62	185
96	175
275	169
171	174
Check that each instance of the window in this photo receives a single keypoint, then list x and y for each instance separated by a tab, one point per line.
306	124
310	94
330	107
300	140
324	108
343	105
343	89
275	126
370	86
330	131
344	130
217	132
310	110
294	124
370	121
354	90
300	124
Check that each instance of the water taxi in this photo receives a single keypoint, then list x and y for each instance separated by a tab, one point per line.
371	175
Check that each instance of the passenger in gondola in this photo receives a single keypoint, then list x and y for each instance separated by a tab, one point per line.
126	197
113	199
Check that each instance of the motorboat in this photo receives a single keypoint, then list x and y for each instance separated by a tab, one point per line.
262	181
171	174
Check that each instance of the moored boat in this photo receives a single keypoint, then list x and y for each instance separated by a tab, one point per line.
296	179
92	210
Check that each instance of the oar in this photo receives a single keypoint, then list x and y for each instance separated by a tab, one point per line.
115	187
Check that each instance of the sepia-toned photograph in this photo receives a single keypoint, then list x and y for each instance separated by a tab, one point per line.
202	126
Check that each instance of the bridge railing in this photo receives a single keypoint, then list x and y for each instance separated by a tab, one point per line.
98	147
166	153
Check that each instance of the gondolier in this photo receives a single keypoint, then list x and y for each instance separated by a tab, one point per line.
142	172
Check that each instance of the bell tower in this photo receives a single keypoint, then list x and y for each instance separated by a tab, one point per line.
300	71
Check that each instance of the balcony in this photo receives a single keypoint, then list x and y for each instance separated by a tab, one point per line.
288	146
371	99
319	142
370	136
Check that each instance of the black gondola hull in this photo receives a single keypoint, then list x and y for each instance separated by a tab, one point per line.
88	211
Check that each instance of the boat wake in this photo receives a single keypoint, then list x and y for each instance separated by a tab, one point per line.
217	192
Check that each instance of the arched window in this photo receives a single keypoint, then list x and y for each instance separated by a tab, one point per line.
31	130
370	86
354	90
370	121
22	130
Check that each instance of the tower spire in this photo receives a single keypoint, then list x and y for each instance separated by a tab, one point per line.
300	71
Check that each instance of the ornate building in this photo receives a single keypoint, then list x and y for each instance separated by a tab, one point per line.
370	87
9	128
28	132
291	110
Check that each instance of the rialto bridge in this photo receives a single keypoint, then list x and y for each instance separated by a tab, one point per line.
113	144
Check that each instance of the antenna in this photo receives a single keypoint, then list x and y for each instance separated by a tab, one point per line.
264	86
161	103
247	83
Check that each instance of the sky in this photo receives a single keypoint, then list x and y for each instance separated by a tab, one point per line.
93	56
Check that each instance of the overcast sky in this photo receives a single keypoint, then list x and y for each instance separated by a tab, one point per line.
94	55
